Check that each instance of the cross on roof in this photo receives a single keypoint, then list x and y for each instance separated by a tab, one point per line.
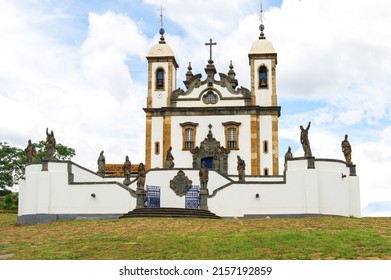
210	44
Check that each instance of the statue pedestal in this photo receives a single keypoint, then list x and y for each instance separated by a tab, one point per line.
45	165
310	162
140	198
204	199
352	168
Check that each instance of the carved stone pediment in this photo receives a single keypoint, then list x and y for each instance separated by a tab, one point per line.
211	148
181	184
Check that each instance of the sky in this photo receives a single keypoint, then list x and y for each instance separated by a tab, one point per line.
79	68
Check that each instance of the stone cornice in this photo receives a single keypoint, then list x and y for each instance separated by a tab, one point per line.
215	110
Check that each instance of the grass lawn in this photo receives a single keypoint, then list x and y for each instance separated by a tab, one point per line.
198	239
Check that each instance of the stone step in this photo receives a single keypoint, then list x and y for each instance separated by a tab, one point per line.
170	212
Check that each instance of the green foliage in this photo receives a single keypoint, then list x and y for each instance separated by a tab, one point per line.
61	152
13	160
9	202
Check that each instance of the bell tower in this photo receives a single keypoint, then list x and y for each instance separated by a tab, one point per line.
263	61
162	68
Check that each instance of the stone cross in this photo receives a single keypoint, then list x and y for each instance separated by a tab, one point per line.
210	44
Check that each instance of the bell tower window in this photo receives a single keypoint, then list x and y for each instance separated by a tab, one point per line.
160	79
263	77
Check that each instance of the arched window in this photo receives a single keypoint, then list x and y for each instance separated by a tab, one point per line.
263	76
160	78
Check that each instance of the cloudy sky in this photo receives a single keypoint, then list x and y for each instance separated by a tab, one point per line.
79	68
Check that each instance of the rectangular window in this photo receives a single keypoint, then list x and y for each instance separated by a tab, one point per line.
232	138
189	138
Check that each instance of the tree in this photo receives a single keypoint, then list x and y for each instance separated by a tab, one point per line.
13	160
9	202
61	152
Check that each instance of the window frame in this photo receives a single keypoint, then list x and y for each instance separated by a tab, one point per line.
227	127
160	86
193	127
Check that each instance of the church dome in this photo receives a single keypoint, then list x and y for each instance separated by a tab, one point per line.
262	46
160	50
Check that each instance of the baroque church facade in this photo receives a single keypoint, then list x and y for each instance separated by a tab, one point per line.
213	120
196	138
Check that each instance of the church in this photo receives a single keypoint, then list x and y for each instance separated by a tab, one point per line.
242	121
211	150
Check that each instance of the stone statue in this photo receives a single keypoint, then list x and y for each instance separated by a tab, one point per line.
169	159
347	150
305	141
101	164
50	144
241	169
141	176
30	152
127	166
288	155
204	176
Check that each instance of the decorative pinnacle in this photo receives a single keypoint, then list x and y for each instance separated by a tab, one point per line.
261	26
161	30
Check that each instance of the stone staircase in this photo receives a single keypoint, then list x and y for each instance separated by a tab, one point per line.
170	213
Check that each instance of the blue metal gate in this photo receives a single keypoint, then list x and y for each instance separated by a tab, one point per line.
153	197
192	198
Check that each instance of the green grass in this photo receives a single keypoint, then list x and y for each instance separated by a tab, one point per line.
186	239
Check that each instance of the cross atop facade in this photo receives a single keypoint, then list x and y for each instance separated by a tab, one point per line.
210	44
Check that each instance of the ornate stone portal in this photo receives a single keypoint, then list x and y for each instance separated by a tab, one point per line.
210	148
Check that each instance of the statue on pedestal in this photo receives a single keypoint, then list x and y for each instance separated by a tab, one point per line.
101	164
241	169
305	142
50	144
288	156
347	150
127	170
169	159
30	152
204	176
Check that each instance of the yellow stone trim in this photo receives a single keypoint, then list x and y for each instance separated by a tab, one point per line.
255	151
150	77
274	82
148	141
166	138
169	83
252	81
275	144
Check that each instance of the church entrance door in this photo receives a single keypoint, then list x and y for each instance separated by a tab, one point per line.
208	161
